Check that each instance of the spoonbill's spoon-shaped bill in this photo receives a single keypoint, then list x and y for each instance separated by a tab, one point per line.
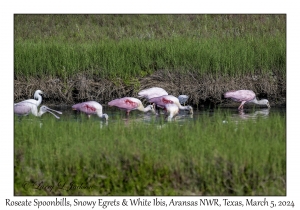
25	108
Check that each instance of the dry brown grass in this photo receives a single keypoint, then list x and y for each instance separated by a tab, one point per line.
202	90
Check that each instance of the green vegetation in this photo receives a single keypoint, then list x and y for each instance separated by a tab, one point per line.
198	157
101	57
129	46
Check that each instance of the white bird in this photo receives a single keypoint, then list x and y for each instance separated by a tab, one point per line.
24	108
33	101
28	106
171	110
152	93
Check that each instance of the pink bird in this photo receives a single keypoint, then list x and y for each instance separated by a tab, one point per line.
245	96
171	110
169	99
89	108
129	104
25	108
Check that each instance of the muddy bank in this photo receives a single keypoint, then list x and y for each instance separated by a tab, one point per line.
201	89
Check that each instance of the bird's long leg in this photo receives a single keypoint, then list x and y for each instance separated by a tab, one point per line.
242	105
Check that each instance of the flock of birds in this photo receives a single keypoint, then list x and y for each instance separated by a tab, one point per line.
157	97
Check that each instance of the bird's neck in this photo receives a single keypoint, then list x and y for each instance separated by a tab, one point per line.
99	113
145	109
185	108
39	101
181	107
260	102
141	108
40	113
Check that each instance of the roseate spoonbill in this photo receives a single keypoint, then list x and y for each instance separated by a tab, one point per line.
24	108
169	99
130	103
89	108
33	101
245	96
171	110
152	93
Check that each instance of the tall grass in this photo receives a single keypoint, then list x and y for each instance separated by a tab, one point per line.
128	46
202	157
131	58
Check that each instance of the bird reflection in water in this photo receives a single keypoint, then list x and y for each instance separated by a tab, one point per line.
262	113
103	124
138	118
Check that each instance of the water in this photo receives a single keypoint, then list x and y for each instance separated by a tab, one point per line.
230	114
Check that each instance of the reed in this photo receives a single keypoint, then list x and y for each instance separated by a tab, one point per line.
197	157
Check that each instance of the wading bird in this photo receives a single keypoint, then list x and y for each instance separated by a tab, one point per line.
28	106
245	96
169	99
171	110
129	103
89	108
33	101
24	108
152	93
155	92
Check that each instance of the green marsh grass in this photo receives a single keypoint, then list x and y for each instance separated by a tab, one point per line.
130	46
198	157
135	58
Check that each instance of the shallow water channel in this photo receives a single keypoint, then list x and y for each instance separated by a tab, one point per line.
230	114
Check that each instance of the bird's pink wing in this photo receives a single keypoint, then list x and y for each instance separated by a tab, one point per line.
240	95
162	100
124	103
166	100
155	100
85	107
